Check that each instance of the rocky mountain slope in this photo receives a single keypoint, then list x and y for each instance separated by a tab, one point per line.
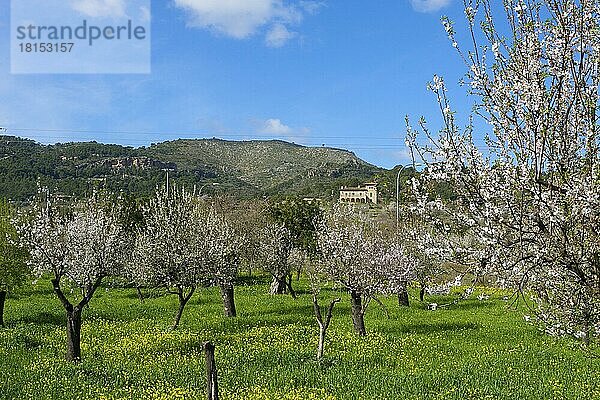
239	168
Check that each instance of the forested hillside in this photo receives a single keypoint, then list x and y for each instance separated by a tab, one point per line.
242	169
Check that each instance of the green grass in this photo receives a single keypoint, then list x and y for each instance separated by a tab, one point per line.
474	350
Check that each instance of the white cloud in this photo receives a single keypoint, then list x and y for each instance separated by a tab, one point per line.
241	19
278	36
100	8
275	127
429	5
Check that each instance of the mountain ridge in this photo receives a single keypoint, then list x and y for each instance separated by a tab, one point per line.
247	168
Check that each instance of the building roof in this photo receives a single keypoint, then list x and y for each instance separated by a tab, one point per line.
353	190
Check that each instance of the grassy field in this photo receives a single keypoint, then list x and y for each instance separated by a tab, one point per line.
474	350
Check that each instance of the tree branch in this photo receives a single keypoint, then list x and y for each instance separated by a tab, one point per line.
61	296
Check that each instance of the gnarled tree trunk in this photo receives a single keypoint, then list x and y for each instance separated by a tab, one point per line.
74	334
403	296
74	316
282	285
289	286
227	294
278	285
2	301
358	313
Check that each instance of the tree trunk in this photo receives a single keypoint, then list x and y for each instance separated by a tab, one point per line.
587	330
2	301
289	286
183	300
278	286
74	335
323	323
227	294
403	297
182	303
74	316
358	319
321	349
178	315
422	292
140	294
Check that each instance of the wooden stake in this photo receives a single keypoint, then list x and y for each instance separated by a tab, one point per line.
212	388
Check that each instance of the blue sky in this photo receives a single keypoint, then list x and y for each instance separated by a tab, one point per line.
343	73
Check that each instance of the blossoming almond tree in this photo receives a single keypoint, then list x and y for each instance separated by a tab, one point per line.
221	253
533	196
445	252
169	249
277	250
356	255
78	246
422	241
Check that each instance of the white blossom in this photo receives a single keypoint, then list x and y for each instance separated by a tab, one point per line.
531	198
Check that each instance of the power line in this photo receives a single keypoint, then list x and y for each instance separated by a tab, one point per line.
207	135
341	142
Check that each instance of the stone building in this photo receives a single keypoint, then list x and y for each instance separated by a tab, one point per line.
361	194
